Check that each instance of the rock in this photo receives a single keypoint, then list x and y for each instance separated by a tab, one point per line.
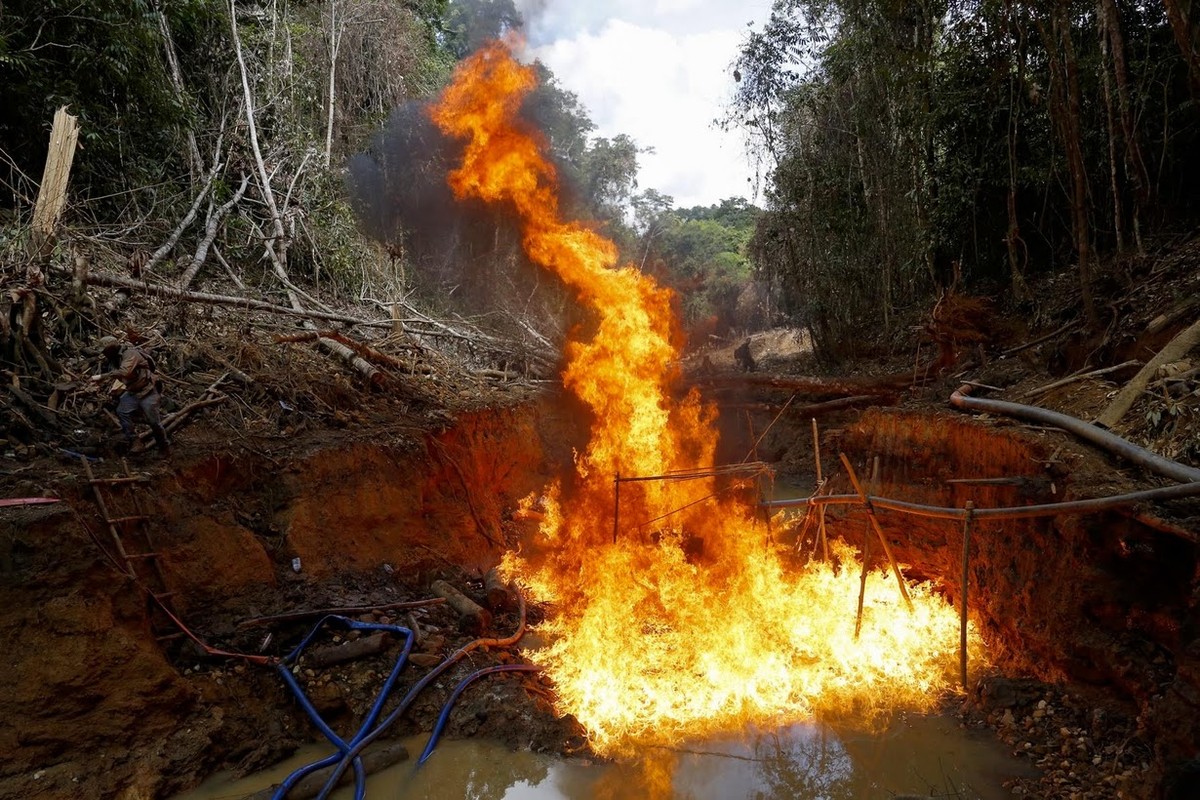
425	659
995	692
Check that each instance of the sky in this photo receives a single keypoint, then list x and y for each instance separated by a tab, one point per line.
659	71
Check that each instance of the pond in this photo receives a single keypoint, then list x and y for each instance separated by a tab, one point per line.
922	756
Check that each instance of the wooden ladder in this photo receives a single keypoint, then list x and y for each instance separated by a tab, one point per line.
127	522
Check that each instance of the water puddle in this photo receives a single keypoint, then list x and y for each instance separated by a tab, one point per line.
918	756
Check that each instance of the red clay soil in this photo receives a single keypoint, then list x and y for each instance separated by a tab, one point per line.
1101	602
91	705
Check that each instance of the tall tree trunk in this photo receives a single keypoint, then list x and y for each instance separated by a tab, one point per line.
1062	50
1012	236
1111	126
278	245
164	26
1178	13
1135	162
335	42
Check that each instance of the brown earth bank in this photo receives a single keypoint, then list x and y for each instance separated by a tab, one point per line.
1091	619
93	705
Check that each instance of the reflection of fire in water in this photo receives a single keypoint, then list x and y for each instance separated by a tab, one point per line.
656	639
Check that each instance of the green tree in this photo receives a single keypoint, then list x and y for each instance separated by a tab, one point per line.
104	60
913	144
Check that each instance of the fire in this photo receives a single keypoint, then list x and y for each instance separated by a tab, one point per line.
679	618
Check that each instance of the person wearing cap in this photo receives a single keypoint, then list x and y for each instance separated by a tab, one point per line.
134	372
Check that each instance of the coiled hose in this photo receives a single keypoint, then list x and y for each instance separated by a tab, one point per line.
349	756
284	669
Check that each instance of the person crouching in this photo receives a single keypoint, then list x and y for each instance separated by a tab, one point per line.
134	372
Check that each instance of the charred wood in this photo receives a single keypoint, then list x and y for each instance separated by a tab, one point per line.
349	651
474	616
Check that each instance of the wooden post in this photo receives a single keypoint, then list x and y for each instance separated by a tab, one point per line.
616	504
862	586
820	508
878	529
52	194
962	623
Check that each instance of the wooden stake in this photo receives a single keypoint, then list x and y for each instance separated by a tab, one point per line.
878	529
820	480
616	505
962	623
862	586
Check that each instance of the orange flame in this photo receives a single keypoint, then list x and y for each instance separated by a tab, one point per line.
689	622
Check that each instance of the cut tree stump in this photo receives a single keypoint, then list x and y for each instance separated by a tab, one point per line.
52	194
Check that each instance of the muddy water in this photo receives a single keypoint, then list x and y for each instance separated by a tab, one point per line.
921	756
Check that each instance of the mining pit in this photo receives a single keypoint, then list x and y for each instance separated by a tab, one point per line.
1090	619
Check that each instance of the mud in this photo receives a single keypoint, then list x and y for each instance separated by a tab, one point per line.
1099	609
92	705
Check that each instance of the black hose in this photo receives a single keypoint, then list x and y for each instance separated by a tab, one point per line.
1084	430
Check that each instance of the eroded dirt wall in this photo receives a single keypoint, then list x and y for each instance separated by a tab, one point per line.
90	704
1097	599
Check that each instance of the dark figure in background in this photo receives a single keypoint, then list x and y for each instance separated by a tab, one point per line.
134	370
745	361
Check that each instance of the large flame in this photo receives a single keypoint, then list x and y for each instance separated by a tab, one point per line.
679	618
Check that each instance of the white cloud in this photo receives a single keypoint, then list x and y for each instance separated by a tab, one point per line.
657	70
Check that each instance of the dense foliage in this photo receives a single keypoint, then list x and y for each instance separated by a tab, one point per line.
104	60
916	144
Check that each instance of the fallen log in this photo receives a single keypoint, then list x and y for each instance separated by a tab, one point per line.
1040	339
474	616
1079	376
373	761
333	654
1161	322
171	293
353	359
813	409
47	417
1174	350
361	349
887	385
177	419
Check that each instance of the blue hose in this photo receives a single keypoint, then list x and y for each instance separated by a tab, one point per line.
343	747
354	751
351	755
444	717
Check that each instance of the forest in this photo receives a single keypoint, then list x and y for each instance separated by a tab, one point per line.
903	147
347	323
912	146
